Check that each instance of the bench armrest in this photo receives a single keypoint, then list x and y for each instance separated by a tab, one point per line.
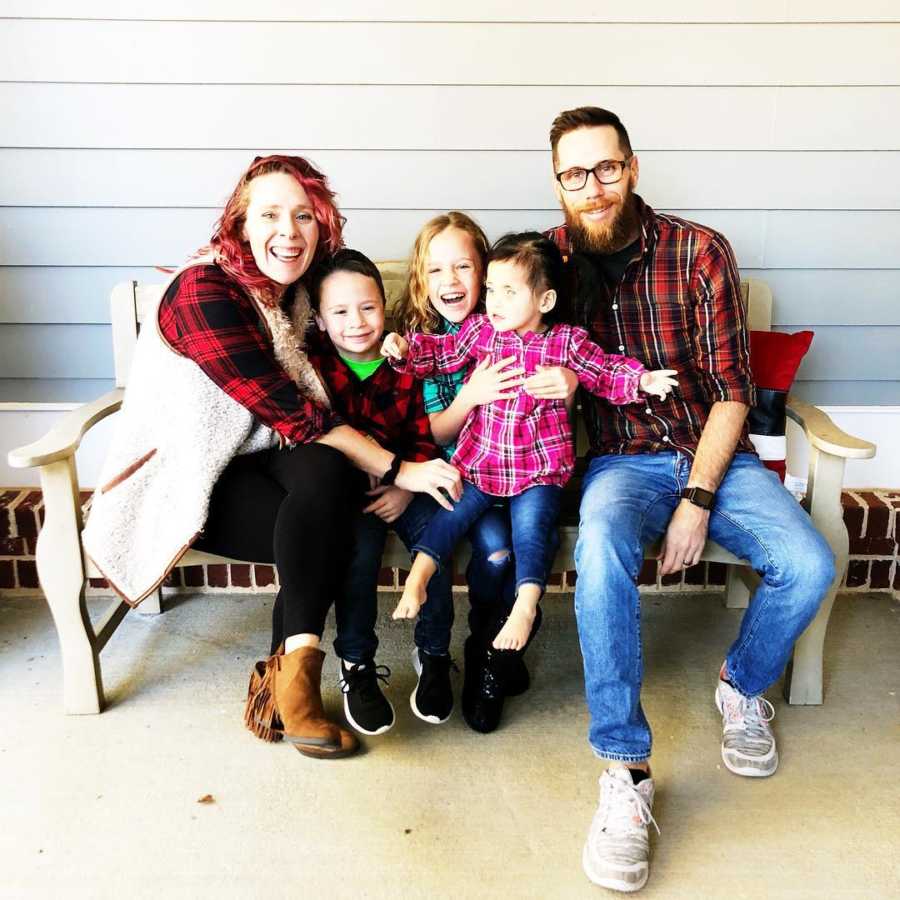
824	435
63	439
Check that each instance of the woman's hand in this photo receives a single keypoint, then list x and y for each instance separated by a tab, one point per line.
491	382
659	382
552	383
390	502
395	346
434	477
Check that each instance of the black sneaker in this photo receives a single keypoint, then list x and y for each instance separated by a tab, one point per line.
432	700
483	693
366	708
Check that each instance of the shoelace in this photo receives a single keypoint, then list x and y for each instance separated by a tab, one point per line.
364	679
756	713
620	806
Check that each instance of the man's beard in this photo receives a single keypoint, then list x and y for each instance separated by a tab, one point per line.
606	238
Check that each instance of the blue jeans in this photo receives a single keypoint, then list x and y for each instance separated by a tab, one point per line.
534	515
356	607
490	574
626	503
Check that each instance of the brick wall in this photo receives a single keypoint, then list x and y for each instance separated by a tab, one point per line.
870	515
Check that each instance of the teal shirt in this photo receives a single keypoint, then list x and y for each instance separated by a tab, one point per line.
439	391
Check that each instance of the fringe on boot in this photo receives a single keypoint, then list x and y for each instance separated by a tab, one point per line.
260	715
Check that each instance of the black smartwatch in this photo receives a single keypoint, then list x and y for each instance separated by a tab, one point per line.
390	476
699	497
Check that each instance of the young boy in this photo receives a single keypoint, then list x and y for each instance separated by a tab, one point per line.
347	295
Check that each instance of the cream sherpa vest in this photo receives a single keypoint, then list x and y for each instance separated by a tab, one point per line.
175	434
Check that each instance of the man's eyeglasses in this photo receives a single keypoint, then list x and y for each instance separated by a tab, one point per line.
608	171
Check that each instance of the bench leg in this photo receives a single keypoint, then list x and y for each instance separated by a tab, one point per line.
61	574
152	604
737	590
803	681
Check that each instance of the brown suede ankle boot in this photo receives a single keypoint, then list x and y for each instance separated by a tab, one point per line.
285	703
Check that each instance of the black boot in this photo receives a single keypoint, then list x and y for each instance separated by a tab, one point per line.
513	671
482	696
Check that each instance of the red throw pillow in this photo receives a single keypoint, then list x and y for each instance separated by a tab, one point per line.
774	359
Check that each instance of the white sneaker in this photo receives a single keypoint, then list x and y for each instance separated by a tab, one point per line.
748	745
617	851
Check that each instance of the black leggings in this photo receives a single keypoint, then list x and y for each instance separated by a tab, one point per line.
291	508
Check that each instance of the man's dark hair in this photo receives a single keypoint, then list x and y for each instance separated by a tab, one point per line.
345	260
587	117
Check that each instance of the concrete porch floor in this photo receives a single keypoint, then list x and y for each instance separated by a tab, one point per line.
107	806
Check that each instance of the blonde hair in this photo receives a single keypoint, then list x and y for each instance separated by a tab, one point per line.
413	311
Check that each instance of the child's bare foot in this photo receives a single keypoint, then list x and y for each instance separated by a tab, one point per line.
514	634
410	602
413	597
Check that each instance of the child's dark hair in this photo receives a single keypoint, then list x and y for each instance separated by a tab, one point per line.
544	266
345	260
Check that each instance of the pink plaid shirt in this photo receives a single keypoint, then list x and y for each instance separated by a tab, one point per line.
510	445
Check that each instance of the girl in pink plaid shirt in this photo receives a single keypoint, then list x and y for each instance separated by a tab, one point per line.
520	447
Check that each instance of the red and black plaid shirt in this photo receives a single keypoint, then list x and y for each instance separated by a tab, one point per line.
678	306
387	406
207	317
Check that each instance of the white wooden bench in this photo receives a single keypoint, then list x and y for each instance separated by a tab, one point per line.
63	568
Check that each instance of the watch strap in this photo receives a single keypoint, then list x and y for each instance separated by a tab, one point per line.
699	497
390	476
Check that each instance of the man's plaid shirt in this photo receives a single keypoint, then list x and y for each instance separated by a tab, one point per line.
387	406
207	317
678	306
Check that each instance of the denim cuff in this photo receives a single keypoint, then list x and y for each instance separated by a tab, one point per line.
419	548
541	584
621	757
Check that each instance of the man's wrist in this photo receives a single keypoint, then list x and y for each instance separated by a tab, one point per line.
700	497
390	476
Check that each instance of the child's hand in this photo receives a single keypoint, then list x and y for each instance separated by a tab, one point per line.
659	382
492	382
390	502
396	346
552	383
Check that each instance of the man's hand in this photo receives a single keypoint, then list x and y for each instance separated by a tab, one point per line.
491	382
552	383
684	539
390	502
395	346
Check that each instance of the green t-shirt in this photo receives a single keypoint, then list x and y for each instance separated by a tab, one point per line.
364	370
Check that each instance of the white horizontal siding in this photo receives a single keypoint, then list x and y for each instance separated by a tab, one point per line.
442	117
403	179
406	53
774	121
465	10
60	294
56	351
33	391
832	296
150	237
856	393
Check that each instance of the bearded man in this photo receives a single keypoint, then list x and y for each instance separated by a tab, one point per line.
666	291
